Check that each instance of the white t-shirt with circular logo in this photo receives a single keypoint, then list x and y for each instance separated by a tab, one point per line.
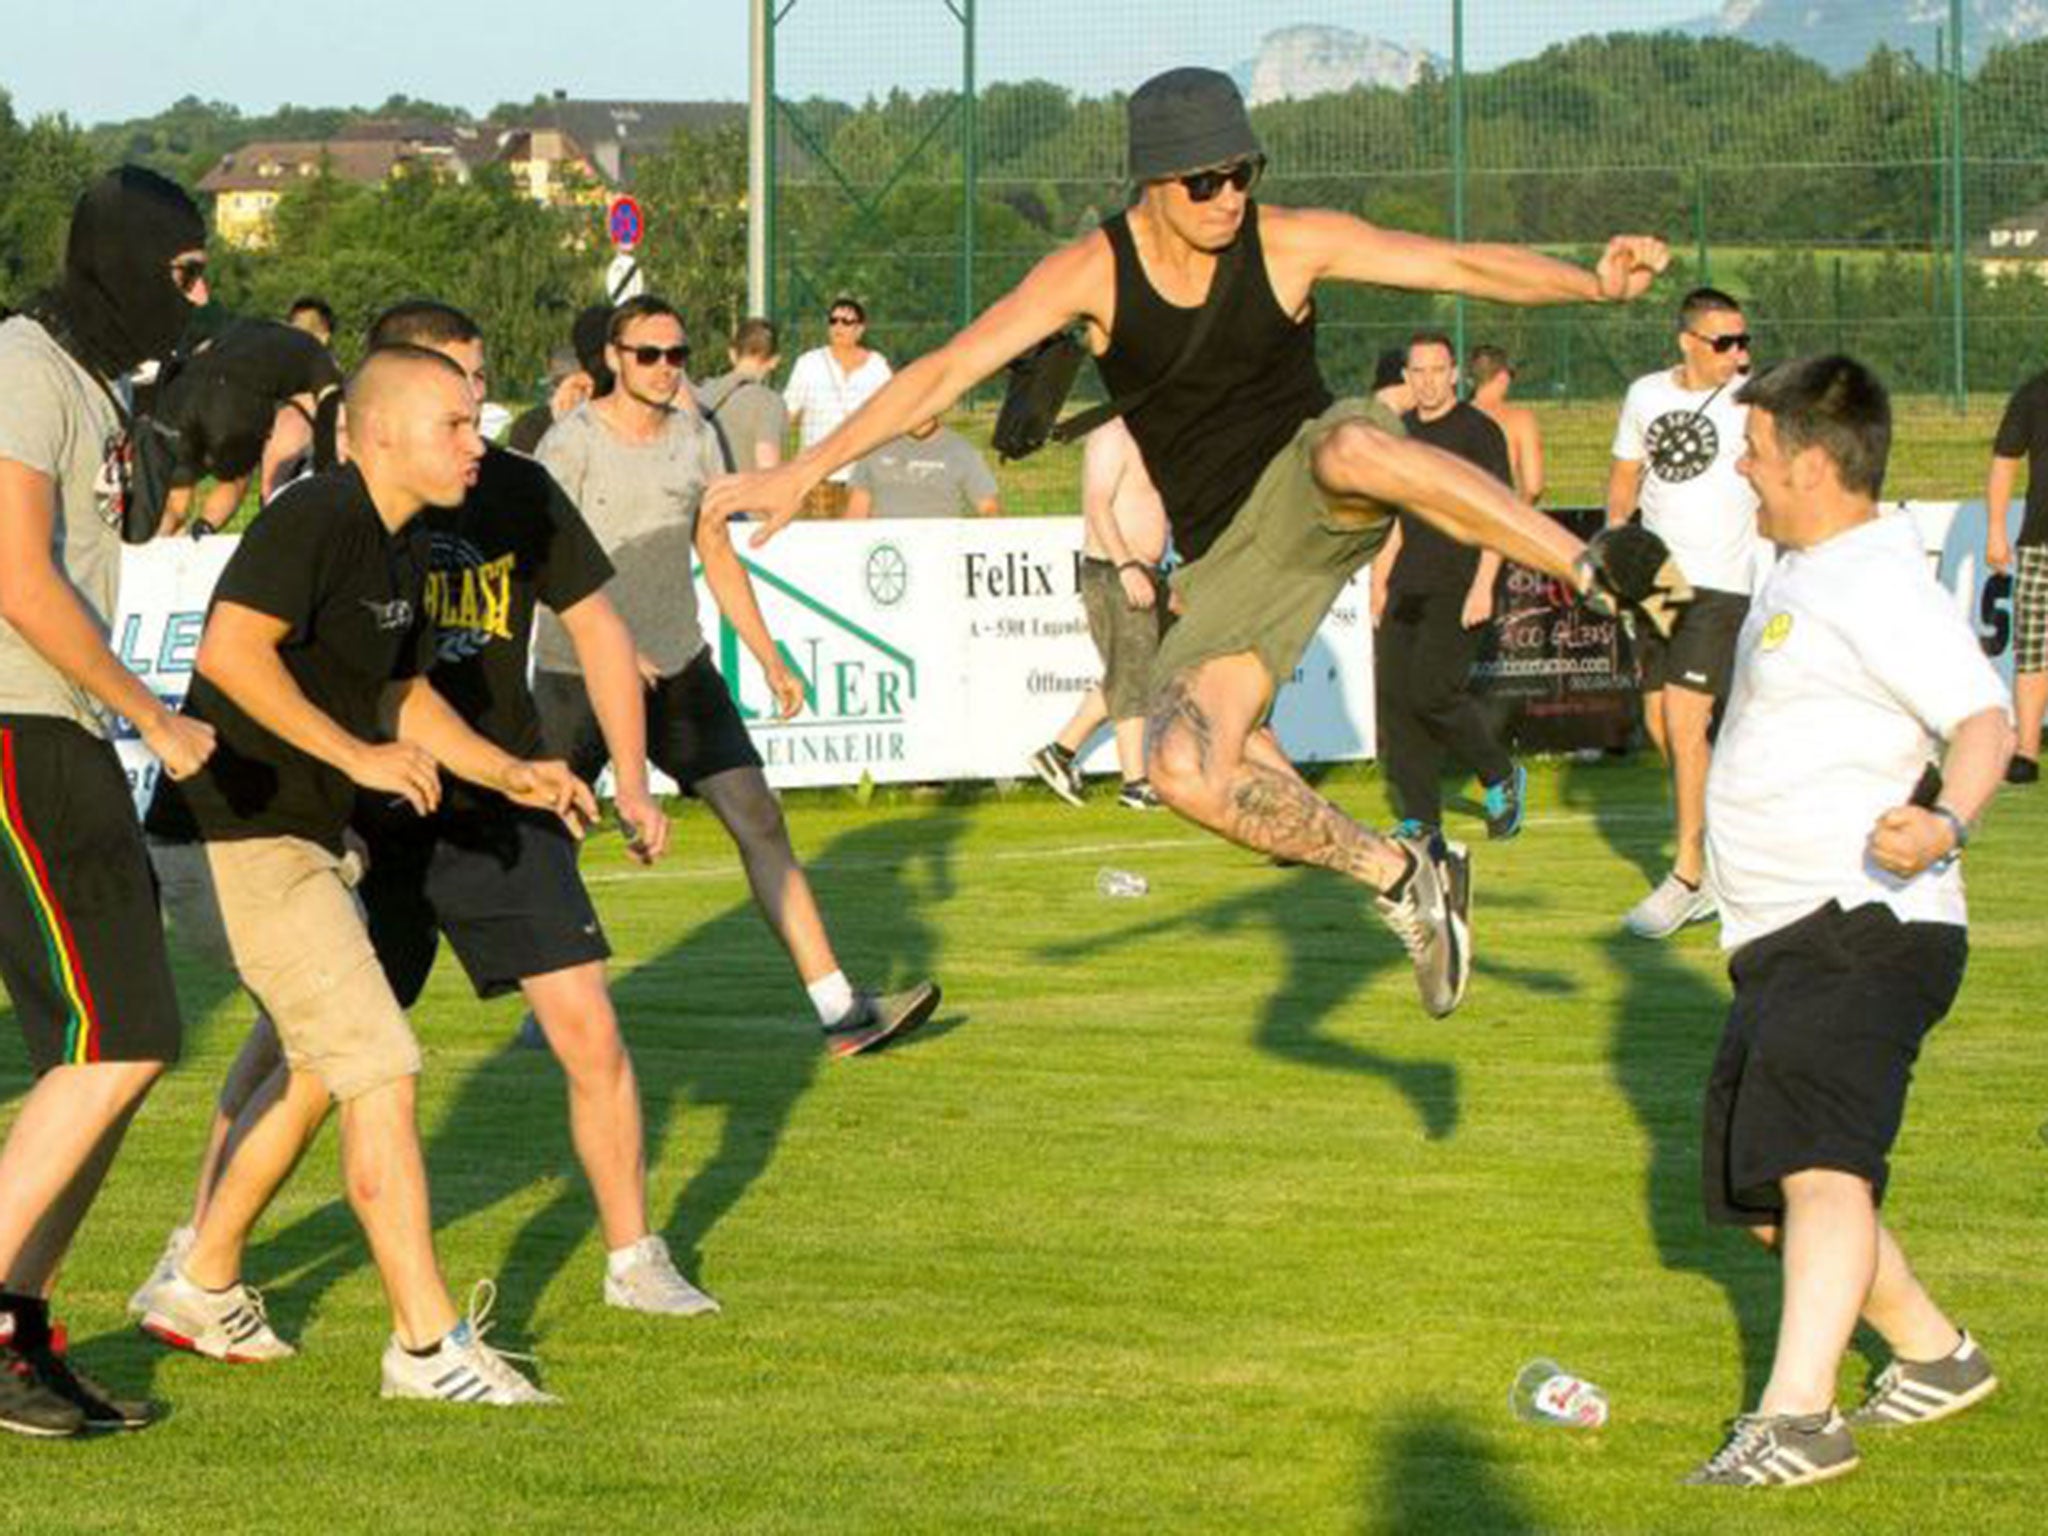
1688	442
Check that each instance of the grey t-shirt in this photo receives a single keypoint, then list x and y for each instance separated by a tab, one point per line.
748	412
641	501
937	476
55	420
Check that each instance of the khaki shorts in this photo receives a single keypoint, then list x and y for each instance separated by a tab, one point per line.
1126	638
1266	584
301	946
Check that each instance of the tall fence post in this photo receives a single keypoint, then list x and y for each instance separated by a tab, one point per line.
760	157
970	168
1958	286
1458	161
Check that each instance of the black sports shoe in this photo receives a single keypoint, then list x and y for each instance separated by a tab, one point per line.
2023	770
876	1017
29	1405
1055	764
101	1408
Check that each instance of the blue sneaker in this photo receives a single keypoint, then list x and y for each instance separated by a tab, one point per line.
1504	805
1409	830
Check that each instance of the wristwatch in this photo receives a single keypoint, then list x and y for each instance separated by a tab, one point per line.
1959	827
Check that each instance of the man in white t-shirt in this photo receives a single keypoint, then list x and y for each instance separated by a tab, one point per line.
1675	454
1834	850
827	385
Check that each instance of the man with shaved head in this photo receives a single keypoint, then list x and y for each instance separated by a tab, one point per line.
310	671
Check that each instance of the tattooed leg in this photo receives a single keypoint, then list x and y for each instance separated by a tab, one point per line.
1201	760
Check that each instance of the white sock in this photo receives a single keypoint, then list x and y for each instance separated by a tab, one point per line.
832	996
619	1260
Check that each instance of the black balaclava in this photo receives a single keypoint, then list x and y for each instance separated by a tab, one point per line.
118	304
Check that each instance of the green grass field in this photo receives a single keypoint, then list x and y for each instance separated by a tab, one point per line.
1181	1215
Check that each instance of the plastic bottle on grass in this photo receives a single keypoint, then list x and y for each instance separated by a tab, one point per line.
1546	1393
1121	882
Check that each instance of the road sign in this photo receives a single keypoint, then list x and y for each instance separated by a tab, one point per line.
623	222
623	279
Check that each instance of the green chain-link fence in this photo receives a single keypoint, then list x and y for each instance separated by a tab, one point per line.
926	152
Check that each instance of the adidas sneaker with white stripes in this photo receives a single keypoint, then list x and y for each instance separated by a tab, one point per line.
462	1368
1780	1450
1910	1392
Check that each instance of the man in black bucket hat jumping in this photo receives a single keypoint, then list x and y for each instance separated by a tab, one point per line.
1277	493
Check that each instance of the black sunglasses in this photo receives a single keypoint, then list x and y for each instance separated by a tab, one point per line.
1738	341
844	320
1203	186
189	273
647	357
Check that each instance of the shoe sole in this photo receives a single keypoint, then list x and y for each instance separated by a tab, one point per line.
164	1333
1704	914
40	1431
711	1310
1947	1410
401	1395
1455	871
1055	781
916	1014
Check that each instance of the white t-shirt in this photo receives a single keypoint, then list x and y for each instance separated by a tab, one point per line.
822	395
1688	442
1853	664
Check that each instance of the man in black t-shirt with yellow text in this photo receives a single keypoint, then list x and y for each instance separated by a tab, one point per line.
309	670
1431	600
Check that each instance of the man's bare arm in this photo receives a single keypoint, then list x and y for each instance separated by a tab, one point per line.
1341	246
1527	440
1998	489
42	606
611	676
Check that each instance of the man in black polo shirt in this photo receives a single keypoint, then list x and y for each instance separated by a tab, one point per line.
500	881
1432	598
314	644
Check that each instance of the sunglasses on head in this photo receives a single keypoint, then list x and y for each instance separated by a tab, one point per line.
189	273
1737	341
1204	186
647	357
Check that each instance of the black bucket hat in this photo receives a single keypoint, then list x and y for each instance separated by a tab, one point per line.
1186	120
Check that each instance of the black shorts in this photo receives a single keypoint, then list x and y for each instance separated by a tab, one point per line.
503	886
693	728
1826	1024
81	939
1699	656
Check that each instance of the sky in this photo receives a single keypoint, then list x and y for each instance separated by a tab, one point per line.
105	60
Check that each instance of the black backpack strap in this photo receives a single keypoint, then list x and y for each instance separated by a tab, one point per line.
1083	422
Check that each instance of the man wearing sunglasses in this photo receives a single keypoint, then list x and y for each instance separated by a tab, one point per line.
1676	451
1277	493
636	463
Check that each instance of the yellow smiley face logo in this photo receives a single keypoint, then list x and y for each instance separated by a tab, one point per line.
1775	632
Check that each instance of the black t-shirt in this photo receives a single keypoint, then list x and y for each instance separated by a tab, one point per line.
1431	561
516	540
321	560
2023	434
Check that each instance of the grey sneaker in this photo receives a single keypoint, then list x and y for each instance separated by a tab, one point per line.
29	1405
1780	1450
652	1283
877	1017
1669	908
462	1368
175	1248
1920	1391
1061	773
1433	922
222	1325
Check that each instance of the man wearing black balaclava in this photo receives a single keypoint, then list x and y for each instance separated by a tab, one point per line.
81	944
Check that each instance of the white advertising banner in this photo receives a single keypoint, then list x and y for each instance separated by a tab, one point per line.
164	589
1953	532
929	650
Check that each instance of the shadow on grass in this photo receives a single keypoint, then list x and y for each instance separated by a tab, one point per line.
1631	812
1436	1474
693	1014
1668	1026
1333	945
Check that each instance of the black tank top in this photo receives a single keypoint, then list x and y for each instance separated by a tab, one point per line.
1208	435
